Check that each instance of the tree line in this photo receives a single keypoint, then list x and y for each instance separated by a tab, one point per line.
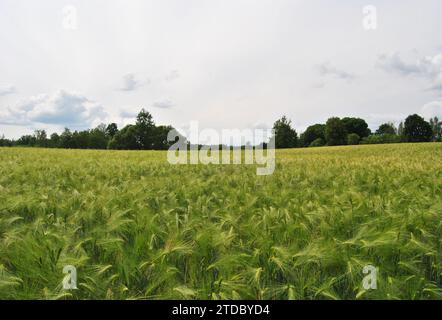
143	135
353	131
146	135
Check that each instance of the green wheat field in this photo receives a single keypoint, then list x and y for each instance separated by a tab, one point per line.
137	227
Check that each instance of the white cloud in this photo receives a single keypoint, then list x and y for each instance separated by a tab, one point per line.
172	75
318	85
376	119
61	108
261	126
432	109
437	83
265	51
5	90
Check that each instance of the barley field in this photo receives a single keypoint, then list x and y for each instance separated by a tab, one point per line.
137	227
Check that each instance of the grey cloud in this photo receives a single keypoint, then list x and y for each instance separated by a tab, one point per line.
62	108
127	114
163	104
130	82
394	63
437	83
429	67
326	69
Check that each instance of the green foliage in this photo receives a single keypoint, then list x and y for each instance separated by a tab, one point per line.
54	141
353	139
145	130
286	136
317	143
41	138
160	137
126	139
381	139
5	142
66	139
436	127
312	133
416	129
27	140
97	138
111	130
145	135
400	129
137	227
387	128
335	132
356	125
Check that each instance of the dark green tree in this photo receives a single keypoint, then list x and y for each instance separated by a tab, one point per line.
98	138
416	129
41	138
5	142
54	141
356	125
111	130
126	139
145	130
316	131
160	138
387	128
335	132
80	139
27	140
285	135
66	139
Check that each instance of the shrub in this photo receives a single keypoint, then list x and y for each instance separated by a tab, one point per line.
317	143
381	138
353	139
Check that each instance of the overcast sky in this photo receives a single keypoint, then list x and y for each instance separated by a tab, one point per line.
225	63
